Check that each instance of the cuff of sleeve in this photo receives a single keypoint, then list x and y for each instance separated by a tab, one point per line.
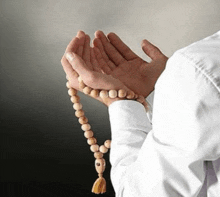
128	114
149	101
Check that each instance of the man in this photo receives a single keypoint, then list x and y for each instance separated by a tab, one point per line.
177	151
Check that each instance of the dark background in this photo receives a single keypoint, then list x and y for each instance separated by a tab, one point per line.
43	150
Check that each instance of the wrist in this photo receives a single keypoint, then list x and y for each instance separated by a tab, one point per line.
109	101
140	99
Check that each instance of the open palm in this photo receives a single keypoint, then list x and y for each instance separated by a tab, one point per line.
118	60
85	64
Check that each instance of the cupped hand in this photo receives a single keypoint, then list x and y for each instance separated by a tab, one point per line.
79	59
118	60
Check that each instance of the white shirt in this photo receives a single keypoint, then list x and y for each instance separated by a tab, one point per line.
179	153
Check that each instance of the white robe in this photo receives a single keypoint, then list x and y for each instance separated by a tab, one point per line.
177	152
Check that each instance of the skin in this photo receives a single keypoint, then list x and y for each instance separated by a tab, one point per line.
86	65
110	64
118	60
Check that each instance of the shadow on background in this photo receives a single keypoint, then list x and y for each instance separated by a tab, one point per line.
42	149
51	189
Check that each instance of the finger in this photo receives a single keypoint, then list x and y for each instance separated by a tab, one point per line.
86	49
73	45
104	66
152	51
68	68
97	42
81	35
78	64
79	51
125	51
110	50
71	74
93	79
94	61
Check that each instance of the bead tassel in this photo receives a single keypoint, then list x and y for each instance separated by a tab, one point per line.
99	186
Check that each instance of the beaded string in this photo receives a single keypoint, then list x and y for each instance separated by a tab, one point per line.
100	184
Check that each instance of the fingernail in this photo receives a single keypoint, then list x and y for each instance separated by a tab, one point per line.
69	56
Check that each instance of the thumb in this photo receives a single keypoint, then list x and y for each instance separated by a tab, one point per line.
77	63
152	51
93	79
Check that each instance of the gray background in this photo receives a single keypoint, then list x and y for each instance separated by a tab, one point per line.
43	150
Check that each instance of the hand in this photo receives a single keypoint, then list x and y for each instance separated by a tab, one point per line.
118	60
79	59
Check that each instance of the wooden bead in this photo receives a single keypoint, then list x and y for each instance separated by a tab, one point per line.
72	92
112	93
94	148
81	85
77	106
103	94
107	143
136	96
68	84
94	93
87	90
100	165
79	113
80	79
122	93
83	120
140	99
75	99
130	95
86	127
75	74
98	155
103	149
91	141
88	134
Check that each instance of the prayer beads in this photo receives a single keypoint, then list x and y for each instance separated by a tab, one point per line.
99	151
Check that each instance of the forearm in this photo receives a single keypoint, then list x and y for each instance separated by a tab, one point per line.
130	126
146	162
170	159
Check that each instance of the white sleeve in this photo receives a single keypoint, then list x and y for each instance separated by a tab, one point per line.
170	159
129	125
